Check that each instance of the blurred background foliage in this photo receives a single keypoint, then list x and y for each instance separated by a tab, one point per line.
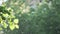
35	17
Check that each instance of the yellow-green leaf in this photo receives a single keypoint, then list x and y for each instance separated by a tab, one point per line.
5	15
17	26
5	25
1	29
16	21
12	27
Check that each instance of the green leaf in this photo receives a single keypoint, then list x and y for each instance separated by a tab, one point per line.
1	29
5	15
12	27
11	23
16	21
17	26
5	25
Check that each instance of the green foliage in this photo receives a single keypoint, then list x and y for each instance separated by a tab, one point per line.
45	19
7	17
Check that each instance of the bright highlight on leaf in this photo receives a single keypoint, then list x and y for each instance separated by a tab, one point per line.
5	15
16	21
16	26
9	9
12	27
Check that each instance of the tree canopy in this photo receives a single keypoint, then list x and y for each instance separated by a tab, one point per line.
42	19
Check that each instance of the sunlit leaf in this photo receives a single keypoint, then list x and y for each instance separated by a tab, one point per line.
5	15
1	28
16	21
17	26
12	27
5	25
